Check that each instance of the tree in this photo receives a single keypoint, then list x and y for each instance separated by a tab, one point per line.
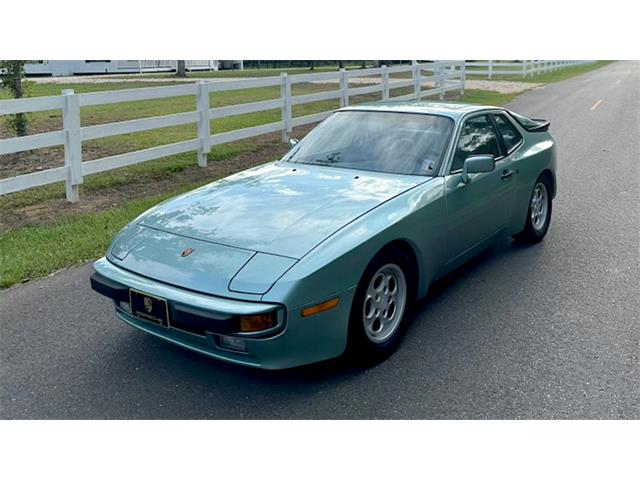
340	63
312	64
182	69
12	74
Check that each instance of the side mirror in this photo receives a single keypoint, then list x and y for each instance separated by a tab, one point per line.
293	142
477	164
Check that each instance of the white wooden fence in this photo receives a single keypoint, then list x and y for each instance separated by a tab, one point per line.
438	78
523	68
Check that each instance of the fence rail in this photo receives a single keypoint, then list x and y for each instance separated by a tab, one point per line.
523	68
440	76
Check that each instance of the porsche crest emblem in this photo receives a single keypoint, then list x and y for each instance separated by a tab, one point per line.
148	304
187	251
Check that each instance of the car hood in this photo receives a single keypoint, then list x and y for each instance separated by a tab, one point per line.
196	264
282	209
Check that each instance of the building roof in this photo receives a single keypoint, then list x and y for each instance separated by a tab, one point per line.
453	110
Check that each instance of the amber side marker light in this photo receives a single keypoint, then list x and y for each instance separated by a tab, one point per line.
255	323
321	307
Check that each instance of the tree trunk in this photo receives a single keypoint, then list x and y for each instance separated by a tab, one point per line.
12	81
182	69
312	64
340	63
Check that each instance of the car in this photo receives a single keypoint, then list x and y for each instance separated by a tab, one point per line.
322	253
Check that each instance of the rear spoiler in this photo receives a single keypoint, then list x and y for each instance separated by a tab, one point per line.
543	125
531	124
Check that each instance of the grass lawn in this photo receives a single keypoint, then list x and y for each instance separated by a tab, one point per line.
548	77
65	234
71	240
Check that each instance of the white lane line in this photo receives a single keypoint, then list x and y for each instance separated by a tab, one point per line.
596	105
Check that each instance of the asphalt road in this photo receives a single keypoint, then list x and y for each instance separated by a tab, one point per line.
549	331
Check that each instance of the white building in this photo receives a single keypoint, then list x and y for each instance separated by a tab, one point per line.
61	68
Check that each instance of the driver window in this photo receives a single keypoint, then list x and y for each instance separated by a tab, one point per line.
477	137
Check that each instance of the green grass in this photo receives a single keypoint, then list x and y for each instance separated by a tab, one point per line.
36	251
485	97
548	77
52	120
48	121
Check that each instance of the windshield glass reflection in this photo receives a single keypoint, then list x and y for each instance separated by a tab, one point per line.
389	142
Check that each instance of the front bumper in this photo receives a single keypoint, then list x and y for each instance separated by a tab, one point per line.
199	320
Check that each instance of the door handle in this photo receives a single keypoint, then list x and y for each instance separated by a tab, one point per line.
507	174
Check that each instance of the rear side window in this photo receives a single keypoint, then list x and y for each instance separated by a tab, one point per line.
477	137
509	132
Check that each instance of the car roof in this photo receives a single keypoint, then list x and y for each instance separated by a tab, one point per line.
453	110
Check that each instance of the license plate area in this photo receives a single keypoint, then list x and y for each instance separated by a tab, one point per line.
149	307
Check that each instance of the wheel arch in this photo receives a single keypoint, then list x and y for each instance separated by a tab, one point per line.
548	174
417	274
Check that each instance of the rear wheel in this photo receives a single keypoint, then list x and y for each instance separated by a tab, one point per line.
539	213
379	308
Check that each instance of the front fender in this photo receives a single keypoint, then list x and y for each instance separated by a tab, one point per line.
417	217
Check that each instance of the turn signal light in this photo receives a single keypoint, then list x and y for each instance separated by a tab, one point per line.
321	307
255	323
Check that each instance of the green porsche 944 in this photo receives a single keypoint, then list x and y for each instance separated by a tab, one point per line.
324	251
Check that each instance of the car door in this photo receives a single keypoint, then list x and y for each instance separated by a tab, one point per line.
480	208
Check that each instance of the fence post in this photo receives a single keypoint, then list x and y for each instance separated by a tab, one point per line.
204	123
385	83
416	78
344	89
286	112
524	68
490	69
440	70
463	75
72	145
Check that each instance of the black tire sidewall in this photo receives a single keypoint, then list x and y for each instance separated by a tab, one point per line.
540	233
359	346
530	234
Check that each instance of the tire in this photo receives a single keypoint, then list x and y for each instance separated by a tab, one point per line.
538	213
378	313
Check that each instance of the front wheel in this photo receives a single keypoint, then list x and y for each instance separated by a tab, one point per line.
539	213
379	307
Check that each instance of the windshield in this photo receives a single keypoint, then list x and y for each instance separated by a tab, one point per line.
390	142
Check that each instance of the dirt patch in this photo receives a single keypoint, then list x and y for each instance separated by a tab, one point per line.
30	161
501	86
